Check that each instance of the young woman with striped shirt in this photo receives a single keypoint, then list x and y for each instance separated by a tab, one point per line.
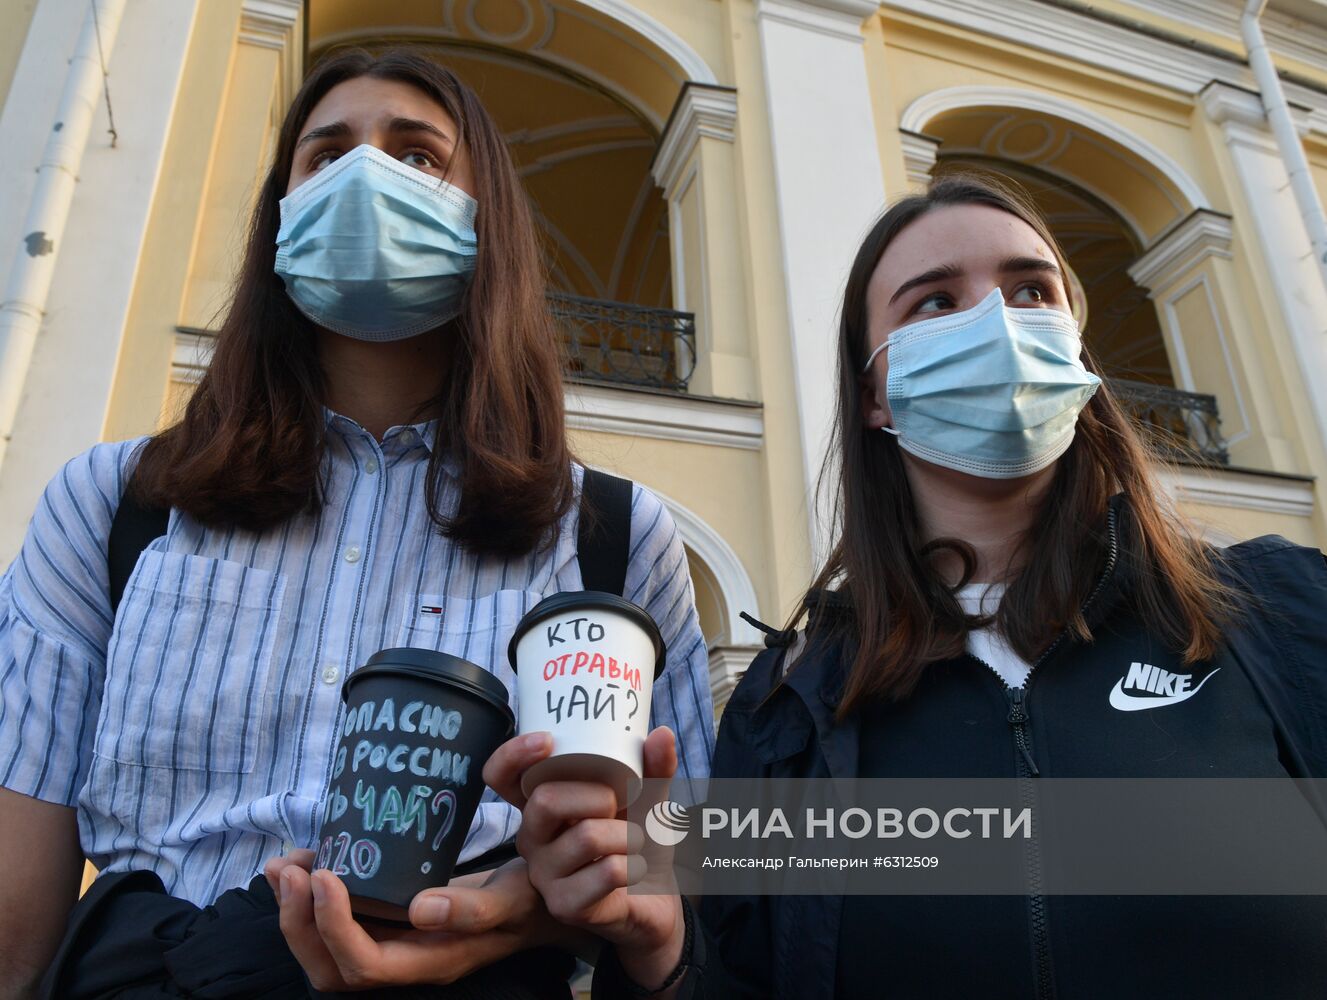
378	438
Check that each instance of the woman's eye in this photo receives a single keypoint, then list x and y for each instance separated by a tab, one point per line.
934	303
418	160
323	159
1029	293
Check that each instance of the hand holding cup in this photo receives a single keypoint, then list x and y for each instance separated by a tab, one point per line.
583	854
475	921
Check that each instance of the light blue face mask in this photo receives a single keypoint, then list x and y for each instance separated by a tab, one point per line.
375	249
991	391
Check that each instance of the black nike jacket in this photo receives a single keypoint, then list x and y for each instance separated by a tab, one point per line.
1257	709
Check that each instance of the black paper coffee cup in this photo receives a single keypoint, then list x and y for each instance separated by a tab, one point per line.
408	774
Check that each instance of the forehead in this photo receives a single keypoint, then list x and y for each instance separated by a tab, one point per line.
975	238
366	99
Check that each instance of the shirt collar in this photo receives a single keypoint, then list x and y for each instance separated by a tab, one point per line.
400	437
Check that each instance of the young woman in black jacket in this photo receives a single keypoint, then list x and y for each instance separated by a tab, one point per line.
1005	573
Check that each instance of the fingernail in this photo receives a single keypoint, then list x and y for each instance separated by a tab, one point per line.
284	882
535	741
318	891
433	910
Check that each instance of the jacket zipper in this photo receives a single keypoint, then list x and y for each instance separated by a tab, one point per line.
1027	770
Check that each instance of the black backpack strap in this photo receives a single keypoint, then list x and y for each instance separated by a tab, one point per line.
604	535
132	530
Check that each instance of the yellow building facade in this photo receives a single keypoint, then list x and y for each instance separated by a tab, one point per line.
702	171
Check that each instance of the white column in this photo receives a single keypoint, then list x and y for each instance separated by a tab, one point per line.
1288	257
67	389
829	186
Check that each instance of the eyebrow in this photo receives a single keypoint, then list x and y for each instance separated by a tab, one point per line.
340	130
1010	265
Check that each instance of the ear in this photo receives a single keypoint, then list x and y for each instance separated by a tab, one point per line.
875	404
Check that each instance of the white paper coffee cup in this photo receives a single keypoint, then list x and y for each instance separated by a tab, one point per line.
585	665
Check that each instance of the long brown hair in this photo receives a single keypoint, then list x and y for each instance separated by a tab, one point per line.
248	450
903	615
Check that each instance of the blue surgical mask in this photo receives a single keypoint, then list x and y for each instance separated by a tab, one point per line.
991	391
375	249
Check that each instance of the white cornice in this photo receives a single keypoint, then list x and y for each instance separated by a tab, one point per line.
1203	234
1286	35
920	152
701	110
1226	104
269	22
1063	32
274	24
837	18
664	416
1240	491
1069	34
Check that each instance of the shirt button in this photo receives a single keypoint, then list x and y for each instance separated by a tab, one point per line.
330	674
371	466
352	554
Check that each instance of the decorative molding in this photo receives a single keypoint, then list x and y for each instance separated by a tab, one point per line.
269	22
929	106
920	151
1286	35
1226	103
665	416
1203	234
1240	490
701	110
1071	35
728	664
272	24
837	18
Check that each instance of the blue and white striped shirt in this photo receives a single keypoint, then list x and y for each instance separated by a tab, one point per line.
195	731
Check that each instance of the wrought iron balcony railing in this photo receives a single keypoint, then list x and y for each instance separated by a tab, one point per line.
626	344
1183	425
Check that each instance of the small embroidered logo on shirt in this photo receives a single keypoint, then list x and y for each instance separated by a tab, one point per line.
430	609
1153	687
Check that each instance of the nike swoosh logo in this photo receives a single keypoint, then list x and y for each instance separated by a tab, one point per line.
1136	703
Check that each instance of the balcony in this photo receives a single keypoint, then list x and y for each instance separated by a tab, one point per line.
1183	426
625	344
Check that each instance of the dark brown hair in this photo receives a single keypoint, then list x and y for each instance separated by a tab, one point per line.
903	615
248	450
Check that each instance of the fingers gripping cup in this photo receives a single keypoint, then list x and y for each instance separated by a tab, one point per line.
407	776
585	667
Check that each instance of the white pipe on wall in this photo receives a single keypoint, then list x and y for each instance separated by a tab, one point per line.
29	283
1283	128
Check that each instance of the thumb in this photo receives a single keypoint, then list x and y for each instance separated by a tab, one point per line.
460	910
660	753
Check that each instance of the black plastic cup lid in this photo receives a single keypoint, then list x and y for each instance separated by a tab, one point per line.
577	600
442	668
